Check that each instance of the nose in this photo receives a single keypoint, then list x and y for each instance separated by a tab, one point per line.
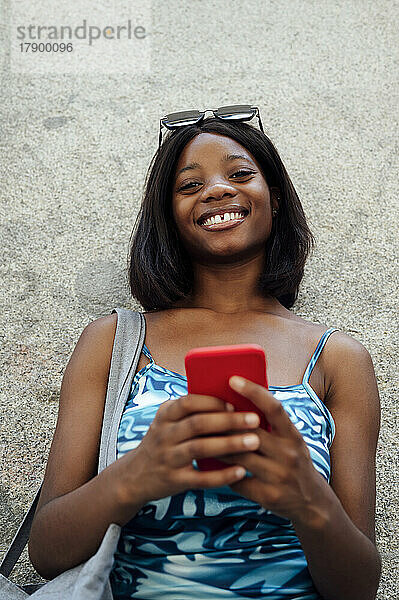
218	190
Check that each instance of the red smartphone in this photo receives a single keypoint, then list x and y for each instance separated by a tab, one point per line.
208	371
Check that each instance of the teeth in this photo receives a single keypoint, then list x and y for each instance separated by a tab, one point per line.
226	217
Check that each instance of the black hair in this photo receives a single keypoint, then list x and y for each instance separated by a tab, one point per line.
160	271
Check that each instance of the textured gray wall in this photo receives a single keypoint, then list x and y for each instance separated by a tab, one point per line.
75	149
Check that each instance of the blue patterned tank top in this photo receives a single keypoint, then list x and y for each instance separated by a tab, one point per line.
214	543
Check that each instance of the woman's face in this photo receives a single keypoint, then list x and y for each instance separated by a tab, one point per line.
216	175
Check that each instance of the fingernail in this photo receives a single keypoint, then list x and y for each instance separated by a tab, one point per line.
229	407
240	472
250	440
252	419
237	382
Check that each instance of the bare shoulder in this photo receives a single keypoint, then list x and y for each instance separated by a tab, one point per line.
342	342
342	349
97	339
342	358
340	346
347	364
102	328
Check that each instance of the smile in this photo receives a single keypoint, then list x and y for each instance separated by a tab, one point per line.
225	221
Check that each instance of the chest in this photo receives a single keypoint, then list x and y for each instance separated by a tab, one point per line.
287	349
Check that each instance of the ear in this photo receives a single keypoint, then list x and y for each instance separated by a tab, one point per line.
274	197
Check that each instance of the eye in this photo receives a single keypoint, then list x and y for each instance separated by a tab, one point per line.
240	173
186	187
243	173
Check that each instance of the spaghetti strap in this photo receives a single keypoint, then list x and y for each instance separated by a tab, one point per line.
147	353
316	354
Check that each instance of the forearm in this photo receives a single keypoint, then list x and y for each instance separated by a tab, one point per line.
69	529
343	562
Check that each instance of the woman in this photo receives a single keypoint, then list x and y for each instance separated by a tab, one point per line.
302	527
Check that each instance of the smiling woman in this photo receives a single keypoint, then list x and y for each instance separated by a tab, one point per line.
217	256
230	182
248	164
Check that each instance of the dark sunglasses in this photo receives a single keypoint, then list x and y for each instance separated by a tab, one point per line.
237	112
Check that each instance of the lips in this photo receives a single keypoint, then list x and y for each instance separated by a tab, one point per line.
224	225
232	208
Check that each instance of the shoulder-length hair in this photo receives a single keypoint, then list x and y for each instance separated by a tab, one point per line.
159	270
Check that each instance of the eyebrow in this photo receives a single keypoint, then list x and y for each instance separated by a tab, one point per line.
225	158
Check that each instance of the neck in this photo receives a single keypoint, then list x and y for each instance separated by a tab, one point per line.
229	289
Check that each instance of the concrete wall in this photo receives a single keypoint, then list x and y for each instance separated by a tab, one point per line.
75	148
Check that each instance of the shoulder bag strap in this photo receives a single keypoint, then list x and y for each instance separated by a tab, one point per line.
20	539
128	342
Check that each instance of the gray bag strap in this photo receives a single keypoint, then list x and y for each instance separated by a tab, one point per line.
20	539
128	343
126	350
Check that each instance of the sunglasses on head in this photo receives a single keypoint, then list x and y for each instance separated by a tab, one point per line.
237	112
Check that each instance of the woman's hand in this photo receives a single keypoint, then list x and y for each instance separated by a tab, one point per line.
162	463
284	479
